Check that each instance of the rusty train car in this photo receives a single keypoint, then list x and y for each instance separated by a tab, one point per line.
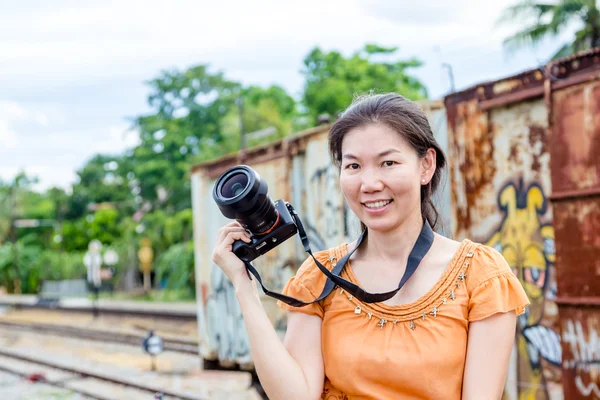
524	177
525	162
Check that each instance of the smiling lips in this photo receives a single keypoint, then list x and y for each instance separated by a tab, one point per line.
376	205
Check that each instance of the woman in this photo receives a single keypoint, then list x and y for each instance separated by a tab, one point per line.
447	334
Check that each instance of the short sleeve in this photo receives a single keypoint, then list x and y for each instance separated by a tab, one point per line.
307	285
493	287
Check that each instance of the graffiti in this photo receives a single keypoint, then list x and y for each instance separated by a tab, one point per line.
527	244
225	324
582	356
327	209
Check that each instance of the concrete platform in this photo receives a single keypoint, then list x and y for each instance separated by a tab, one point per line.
184	310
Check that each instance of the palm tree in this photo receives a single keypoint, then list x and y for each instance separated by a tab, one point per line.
549	19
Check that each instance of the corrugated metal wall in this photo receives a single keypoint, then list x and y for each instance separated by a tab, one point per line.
503	136
298	170
575	148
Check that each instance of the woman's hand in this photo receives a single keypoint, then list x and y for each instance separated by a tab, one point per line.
225	258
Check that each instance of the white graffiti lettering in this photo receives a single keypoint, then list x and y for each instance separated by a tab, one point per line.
585	355
544	341
587	390
584	352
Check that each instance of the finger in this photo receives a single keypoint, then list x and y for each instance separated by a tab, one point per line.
223	231
233	236
229	230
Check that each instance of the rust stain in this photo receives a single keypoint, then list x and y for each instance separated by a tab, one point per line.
538	136
576	139
577	226
513	155
538	75
508	86
473	145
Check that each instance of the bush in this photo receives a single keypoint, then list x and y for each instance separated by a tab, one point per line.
174	268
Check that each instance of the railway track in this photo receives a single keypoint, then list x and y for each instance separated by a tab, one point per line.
176	345
169	344
173	345
79	374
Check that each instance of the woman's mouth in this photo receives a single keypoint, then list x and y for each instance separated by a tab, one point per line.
376	206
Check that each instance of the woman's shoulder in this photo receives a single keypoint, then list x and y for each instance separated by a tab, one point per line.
309	272
486	263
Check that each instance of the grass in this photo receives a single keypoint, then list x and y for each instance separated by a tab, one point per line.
162	296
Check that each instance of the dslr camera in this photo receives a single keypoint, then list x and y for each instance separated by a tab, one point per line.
242	195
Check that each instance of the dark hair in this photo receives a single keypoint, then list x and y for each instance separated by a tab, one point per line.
406	118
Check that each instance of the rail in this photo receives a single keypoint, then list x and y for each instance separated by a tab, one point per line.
169	344
94	375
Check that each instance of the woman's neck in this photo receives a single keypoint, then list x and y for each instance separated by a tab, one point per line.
394	245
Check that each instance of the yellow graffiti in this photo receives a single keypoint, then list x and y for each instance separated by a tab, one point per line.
527	246
521	240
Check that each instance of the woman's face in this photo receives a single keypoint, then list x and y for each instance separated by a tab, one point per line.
381	176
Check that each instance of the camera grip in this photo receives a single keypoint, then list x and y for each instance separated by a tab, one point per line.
244	251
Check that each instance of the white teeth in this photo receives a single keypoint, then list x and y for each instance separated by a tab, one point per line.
378	204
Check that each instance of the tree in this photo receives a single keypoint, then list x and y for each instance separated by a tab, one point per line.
103	179
196	118
12	209
550	19
271	108
333	80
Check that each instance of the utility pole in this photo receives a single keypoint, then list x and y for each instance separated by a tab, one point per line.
450	75
240	103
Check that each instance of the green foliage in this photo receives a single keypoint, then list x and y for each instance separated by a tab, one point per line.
550	19
36	265
175	267
332	80
102	225
197	115
103	179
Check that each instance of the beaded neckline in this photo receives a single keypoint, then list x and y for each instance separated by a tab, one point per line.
440	293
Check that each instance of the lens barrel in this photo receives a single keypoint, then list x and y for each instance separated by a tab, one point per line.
242	195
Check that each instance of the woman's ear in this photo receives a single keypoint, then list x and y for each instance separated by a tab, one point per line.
428	165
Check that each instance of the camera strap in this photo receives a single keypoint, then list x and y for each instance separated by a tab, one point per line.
421	247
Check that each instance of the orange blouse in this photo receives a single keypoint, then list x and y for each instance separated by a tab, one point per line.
409	351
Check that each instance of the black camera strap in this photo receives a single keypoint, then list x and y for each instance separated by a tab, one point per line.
421	247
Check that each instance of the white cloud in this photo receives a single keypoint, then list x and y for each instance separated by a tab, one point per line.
12	113
75	69
123	137
8	138
103	39
52	156
10	110
48	175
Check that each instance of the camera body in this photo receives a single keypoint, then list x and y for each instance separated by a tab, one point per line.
241	194
283	229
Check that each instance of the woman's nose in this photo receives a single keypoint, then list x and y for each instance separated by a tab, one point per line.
371	181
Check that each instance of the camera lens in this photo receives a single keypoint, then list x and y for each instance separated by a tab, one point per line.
242	195
234	185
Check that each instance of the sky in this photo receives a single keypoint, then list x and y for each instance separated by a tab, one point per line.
73	73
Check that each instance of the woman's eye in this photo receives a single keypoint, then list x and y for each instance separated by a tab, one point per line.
352	166
389	163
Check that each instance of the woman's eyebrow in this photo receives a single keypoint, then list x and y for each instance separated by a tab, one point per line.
350	156
388	152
